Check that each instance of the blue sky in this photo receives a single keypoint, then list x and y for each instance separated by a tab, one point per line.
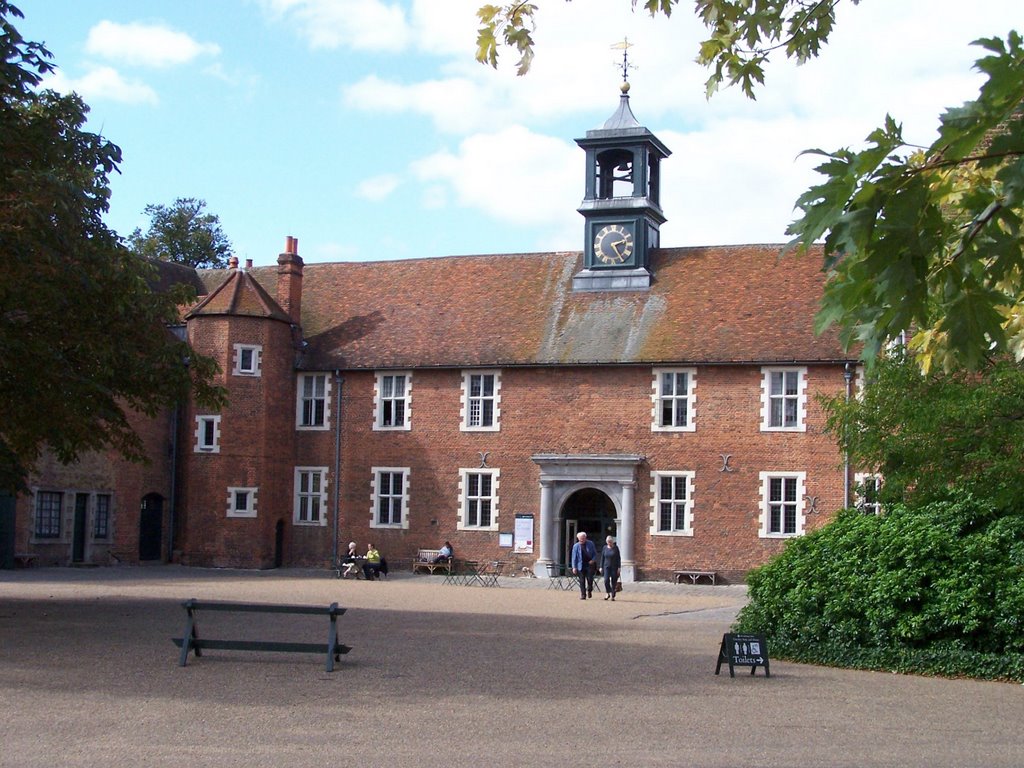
366	129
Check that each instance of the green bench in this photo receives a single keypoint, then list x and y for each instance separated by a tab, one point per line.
191	642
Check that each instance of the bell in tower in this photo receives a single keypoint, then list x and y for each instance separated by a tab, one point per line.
621	205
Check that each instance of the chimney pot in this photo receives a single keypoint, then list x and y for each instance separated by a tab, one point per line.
248	263
233	262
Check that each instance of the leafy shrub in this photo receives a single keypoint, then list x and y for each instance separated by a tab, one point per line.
937	589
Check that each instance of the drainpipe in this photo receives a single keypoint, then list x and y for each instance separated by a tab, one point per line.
338	381
174	480
848	377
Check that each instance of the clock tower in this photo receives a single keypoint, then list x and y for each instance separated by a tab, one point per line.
621	206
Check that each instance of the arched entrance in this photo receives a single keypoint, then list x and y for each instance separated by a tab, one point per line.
588	510
588	490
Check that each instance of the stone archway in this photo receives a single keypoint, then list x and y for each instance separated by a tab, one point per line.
563	475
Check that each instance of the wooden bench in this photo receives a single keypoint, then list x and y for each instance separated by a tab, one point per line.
695	576
424	561
24	559
190	640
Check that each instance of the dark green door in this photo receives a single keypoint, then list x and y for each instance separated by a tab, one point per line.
151	520
81	516
6	530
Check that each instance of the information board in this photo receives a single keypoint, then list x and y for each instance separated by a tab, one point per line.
743	651
524	534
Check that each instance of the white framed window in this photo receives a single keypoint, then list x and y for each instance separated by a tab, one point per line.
867	486
481	401
782	504
310	496
392	401
390	500
101	517
242	502
478	499
672	503
247	360
313	401
49	514
207	434
675	400
783	399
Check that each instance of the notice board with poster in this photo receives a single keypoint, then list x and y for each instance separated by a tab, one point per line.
523	535
743	651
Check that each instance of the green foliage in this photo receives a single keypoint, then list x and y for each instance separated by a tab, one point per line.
742	34
930	240
925	433
937	589
83	339
184	234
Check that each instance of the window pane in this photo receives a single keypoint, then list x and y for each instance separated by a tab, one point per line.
474	386
485	485
399	386
488	385
790	411
790	489
487	419
790	518
791	382
474	485
485	511
665	517
775	417
667	384
776	380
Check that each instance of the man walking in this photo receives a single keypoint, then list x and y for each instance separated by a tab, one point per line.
583	554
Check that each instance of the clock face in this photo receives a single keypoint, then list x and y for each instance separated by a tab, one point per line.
613	244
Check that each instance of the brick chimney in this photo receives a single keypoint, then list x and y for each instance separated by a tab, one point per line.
289	279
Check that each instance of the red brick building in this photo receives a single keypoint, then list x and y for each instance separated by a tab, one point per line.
503	403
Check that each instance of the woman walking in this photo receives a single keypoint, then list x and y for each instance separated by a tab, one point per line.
611	562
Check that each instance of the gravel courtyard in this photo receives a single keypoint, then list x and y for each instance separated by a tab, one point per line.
444	675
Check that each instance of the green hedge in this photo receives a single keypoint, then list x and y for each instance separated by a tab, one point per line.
933	590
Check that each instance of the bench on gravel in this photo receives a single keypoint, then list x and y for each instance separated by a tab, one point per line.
190	640
425	558
696	576
24	559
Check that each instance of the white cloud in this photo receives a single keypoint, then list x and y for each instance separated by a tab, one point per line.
512	175
378	187
369	25
103	83
149	45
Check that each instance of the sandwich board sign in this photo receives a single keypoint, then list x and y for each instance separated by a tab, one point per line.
743	651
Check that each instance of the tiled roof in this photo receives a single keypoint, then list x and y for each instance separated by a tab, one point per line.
723	304
237	294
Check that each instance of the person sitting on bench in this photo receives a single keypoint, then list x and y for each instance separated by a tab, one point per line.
445	554
375	565
351	569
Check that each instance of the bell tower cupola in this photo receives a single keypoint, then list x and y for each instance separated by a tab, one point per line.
622	202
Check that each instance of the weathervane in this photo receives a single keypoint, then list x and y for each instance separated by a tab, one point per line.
624	46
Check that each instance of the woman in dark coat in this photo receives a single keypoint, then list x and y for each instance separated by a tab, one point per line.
611	562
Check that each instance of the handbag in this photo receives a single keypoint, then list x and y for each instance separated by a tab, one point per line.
618	587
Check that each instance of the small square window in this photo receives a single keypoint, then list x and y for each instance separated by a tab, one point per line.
247	360
242	502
